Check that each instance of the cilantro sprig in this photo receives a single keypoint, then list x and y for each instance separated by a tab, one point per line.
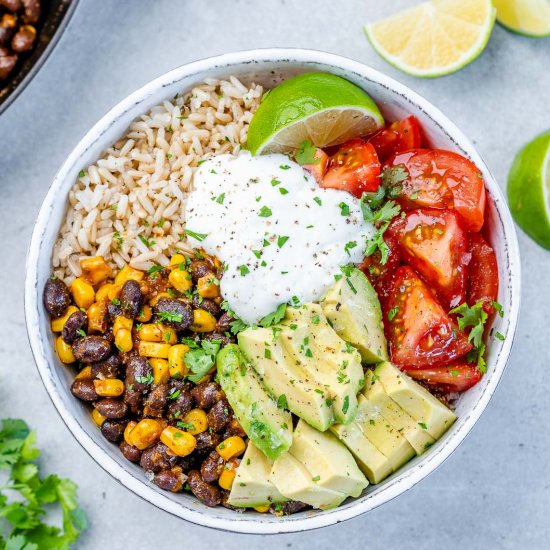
27	497
201	359
306	153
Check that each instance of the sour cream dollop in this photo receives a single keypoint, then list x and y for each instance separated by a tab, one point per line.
281	237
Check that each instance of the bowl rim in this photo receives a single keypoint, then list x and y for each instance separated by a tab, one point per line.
288	524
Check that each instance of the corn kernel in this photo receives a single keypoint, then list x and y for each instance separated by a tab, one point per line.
128	273
83	292
208	286
98	418
180	279
145	433
64	351
177	259
128	430
123	340
97	317
109	387
102	294
176	361
179	442
231	447
198	419
160	295
122	322
58	324
84	374
226	479
114	292
150	332
154	349
145	314
203	321
161	374
95	269
262	509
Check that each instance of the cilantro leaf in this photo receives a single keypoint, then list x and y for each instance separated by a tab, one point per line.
474	318
306	153
274	317
199	361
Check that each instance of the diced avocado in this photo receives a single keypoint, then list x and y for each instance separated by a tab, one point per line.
328	460
295	482
353	309
382	434
307	336
370	460
267	426
251	486
417	401
284	379
405	424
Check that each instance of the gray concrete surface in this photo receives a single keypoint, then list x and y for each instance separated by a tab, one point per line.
494	492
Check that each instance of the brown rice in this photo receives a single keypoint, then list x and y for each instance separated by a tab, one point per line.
129	206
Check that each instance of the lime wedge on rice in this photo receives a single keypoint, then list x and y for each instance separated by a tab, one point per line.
320	107
527	17
435	38
529	189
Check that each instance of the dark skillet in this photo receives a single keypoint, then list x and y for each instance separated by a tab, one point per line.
54	19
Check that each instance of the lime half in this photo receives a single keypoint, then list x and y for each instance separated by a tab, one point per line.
320	107
529	189
435	38
527	17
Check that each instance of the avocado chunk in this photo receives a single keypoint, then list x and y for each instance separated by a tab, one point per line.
267	426
353	309
294	481
411	430
251	486
284	379
310	340
328	460
415	400
383	435
370	460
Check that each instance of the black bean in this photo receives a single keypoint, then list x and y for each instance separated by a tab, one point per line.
91	349
156	458
205	303
132	398
75	323
170	480
174	313
219	415
56	297
212	467
111	408
179	407
207	441
110	368
155	402
224	323
206	493
7	64
32	11
130	299
84	389
293	506
234	428
23	40
113	430
11	5
113	311
133	454
206	394
139	373
200	268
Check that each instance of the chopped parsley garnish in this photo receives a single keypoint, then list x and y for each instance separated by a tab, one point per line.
275	182
80	332
498	308
265	212
115	301
315	320
423	425
318	201
243	269
345	404
147	242
113	207
185	425
284	167
267	353
169	316
145	379
391	179
499	336
81	174
219	199
344	209
392	313
306	153
316	478
282	402
153	270
174	395
281	240
283	191
197	236
257	253
349	246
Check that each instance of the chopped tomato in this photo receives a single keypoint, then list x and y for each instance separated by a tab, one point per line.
483	274
435	244
353	168
318	169
380	275
419	331
400	136
458	376
441	179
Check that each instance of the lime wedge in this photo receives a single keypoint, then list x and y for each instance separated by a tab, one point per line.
320	107
435	38
528	17
529	189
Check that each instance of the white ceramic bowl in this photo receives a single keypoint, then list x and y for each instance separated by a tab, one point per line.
267	67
